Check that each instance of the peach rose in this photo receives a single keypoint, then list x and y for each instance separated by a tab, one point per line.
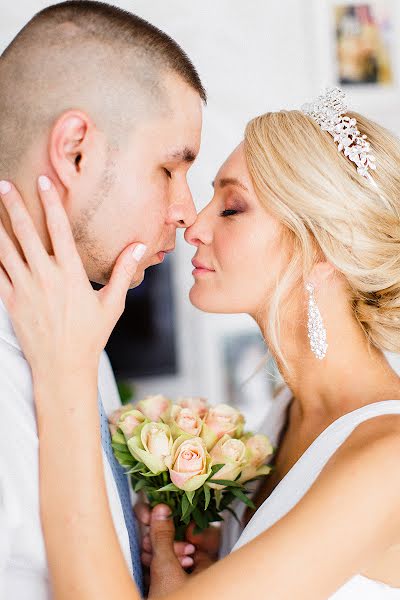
152	445
129	421
115	416
155	408
197	405
189	464
184	420
221	420
232	454
258	450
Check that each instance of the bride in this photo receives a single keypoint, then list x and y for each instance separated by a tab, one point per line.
306	240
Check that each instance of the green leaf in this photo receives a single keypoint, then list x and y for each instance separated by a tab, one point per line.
242	496
207	496
186	509
136	468
190	496
200	519
171	487
140	484
227	483
218	498
120	447
215	469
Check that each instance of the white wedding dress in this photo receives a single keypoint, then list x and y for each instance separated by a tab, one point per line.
303	474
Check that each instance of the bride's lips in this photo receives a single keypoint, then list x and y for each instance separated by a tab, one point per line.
200	268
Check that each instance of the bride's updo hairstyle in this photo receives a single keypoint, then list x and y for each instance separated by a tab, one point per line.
329	210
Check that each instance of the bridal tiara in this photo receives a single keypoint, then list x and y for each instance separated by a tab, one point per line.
329	111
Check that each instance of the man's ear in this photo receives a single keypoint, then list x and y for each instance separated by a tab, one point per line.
67	143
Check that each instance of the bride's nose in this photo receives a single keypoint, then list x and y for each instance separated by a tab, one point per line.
200	232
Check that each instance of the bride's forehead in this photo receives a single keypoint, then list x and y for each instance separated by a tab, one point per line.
234	167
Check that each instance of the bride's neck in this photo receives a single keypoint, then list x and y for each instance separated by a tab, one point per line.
352	374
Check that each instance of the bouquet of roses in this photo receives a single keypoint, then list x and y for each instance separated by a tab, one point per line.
189	455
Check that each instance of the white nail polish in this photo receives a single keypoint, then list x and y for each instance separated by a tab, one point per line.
5	187
44	183
139	252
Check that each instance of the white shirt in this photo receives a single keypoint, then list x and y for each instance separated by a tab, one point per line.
23	567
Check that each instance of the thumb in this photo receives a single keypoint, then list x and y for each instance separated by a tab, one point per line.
114	293
166	572
162	531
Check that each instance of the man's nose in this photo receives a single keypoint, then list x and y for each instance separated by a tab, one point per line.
182	213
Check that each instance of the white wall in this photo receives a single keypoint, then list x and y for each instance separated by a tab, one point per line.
253	56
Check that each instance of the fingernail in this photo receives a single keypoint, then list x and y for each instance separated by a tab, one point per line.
161	512
139	251
187	561
44	183
189	549
5	187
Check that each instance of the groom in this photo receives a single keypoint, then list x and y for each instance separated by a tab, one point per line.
110	108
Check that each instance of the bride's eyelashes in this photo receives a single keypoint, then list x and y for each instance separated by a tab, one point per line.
229	212
235	208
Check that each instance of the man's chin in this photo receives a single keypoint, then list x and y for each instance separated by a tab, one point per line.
137	281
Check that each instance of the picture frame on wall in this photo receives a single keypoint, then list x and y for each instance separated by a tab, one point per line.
354	44
364	43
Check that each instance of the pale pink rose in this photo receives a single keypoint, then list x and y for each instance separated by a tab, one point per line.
115	416
221	420
196	404
155	408
189	465
184	420
129	421
258	450
232	454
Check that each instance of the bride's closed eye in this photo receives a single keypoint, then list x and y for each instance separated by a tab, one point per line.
229	212
233	208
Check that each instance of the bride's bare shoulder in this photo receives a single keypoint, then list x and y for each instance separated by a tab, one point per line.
372	450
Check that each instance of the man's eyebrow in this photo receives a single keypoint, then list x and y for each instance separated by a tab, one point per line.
229	181
185	155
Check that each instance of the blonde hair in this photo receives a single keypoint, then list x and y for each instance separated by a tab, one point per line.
328	210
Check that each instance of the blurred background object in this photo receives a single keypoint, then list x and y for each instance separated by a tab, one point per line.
253	57
364	35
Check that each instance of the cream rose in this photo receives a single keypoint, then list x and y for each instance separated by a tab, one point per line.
189	464
221	420
197	405
155	408
152	446
232	454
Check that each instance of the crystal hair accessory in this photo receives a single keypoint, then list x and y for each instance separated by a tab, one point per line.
328	111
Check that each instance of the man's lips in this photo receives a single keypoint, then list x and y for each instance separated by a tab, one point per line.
162	253
200	268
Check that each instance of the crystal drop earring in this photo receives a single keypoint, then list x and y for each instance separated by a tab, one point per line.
315	326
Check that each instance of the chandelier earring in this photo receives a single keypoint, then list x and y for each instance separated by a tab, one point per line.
315	325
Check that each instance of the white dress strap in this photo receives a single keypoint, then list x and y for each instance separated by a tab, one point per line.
303	474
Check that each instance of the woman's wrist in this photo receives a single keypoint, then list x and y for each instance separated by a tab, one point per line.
61	390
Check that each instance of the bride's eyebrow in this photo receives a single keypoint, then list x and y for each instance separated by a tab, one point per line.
225	181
